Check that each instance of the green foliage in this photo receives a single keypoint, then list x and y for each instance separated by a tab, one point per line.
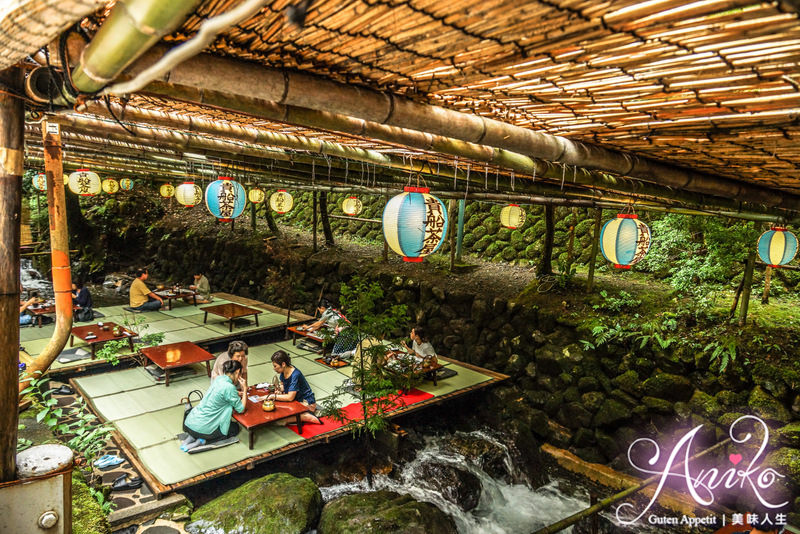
137	324
22	443
722	351
624	302
106	504
692	251
635	335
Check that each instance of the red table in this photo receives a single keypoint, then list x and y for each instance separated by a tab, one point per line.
170	295
81	332
255	417
310	335
174	355
231	311
40	311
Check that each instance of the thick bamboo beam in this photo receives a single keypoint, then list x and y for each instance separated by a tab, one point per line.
59	250
239	80
12	115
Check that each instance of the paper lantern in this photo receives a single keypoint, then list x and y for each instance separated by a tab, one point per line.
110	186
624	240
188	194
40	181
256	195
126	184
777	246
84	182
281	201
414	223
352	206
225	198
512	216
166	190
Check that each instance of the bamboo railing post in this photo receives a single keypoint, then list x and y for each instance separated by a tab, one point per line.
326	222
460	236
546	263
767	280
452	206
747	286
314	220
598	215
253	216
12	128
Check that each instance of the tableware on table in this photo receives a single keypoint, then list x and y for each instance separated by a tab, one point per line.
268	406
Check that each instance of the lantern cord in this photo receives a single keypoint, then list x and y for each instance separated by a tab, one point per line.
466	191
455	174
534	172
563	174
497	179
329	167
486	177
512	180
114	116
574	173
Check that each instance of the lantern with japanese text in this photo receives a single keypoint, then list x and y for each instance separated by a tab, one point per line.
280	201
40	181
352	206
126	184
110	186
256	195
166	190
225	198
84	182
777	246
512	216
189	194
414	223
624	240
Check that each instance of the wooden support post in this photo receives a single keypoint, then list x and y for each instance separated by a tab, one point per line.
253	216
747	286
571	240
12	129
273	226
314	220
598	215
546	263
767	280
452	206
460	236
326	222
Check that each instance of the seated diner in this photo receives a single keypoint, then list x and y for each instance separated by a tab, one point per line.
420	346
210	420
201	287
141	298
237	350
294	386
329	317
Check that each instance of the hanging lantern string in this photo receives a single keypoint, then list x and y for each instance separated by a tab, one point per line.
574	173
563	173
534	172
486	177
512	180
466	190
455	174
496	179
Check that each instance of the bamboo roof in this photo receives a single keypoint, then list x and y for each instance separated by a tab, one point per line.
710	85
713	85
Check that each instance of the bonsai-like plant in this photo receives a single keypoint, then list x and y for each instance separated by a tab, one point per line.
136	324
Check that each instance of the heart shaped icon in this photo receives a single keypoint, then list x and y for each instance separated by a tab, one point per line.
735	458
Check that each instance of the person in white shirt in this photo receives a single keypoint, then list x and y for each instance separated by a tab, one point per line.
420	345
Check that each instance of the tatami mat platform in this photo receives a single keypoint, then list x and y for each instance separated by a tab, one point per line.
148	416
183	323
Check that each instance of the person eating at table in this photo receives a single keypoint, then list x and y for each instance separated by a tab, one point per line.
329	317
210	420
420	346
294	385
141	298
83	298
25	318
237	350
202	287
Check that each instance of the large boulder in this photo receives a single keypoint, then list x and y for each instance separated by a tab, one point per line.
768	407
274	503
457	485
790	434
383	512
611	412
668	386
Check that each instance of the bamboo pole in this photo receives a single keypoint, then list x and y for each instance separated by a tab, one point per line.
598	214
59	248
747	287
460	235
314	220
273	226
194	79
326	223
12	116
767	280
253	216
546	262
452	206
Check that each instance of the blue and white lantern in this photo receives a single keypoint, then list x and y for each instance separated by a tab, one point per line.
225	198
777	246
624	240
126	184
414	223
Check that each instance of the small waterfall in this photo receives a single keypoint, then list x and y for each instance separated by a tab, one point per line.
32	280
502	508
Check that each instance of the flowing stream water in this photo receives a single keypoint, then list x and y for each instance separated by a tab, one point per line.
502	508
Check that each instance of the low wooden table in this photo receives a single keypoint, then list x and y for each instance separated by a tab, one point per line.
40	311
255	417
169	296
174	355
427	371
231	311
102	335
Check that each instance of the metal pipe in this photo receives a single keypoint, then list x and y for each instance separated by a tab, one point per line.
59	250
